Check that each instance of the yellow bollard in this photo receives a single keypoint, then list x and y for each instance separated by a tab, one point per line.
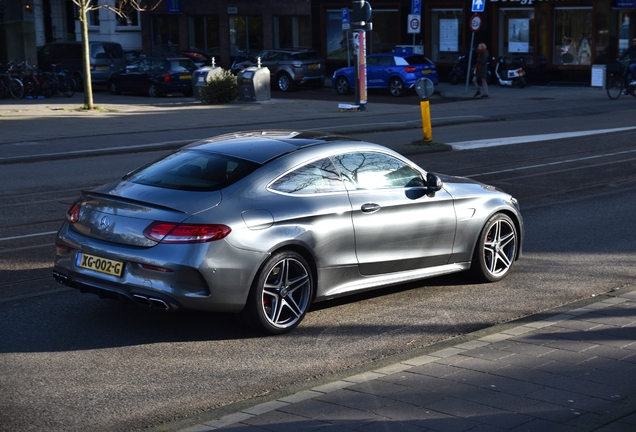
426	120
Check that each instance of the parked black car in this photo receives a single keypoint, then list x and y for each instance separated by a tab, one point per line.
155	76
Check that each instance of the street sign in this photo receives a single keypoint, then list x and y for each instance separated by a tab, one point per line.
478	5
346	22
475	23
414	24
416	7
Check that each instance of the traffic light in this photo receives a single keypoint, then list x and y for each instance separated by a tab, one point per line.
361	15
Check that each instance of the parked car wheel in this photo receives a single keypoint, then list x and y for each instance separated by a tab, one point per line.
280	295
496	249
285	82
113	89
396	87
342	85
153	91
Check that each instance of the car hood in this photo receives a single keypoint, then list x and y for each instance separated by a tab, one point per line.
120	212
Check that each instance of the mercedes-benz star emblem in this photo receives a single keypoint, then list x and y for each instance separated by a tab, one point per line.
104	223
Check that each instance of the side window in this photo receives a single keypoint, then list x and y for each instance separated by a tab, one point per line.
369	170
316	177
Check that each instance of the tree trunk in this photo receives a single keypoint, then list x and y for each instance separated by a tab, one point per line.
86	63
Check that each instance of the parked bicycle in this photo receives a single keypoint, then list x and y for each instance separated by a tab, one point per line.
36	84
617	82
10	85
61	81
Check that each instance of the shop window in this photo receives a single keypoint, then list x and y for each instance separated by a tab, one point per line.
517	29
382	39
292	32
573	36
246	34
165	34
130	15
204	34
446	35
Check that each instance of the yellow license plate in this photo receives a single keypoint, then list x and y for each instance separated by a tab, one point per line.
313	66
102	265
186	76
102	68
426	71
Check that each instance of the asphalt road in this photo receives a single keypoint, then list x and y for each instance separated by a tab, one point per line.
74	362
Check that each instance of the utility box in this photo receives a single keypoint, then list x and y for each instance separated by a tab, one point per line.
202	76
254	84
409	49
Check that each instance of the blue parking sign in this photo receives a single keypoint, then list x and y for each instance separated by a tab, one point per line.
346	24
416	7
478	5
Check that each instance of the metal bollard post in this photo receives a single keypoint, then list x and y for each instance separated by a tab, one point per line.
426	120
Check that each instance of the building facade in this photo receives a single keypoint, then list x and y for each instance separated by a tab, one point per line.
559	40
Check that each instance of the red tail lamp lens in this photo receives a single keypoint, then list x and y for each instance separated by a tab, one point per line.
73	213
168	232
409	69
166	77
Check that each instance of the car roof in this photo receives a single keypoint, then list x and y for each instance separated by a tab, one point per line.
263	146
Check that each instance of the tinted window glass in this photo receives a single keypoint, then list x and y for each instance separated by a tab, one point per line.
114	50
193	170
309	55
417	59
182	66
376	171
317	177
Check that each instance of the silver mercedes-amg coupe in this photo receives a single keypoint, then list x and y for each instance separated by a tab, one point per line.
265	223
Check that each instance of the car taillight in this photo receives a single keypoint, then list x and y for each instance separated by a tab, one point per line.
73	213
92	67
169	232
166	77
409	69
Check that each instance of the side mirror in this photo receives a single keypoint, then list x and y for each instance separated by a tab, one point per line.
433	183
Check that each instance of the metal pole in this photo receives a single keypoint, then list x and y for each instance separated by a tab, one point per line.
470	61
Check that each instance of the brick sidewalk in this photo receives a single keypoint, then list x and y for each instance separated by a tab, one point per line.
575	371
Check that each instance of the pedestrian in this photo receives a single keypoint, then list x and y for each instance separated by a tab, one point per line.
631	69
480	80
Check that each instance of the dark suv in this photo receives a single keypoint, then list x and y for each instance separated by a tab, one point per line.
155	76
105	59
289	68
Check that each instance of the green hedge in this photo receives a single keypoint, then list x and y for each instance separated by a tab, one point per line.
221	88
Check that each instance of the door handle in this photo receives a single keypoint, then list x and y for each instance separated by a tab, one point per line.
370	208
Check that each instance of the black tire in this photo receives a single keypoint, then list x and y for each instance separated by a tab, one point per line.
280	295
284	82
614	86
342	85
68	86
453	79
522	82
47	89
16	88
153	91
79	83
496	249
113	88
396	87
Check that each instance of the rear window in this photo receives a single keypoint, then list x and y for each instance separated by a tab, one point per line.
193	170
416	60
308	55
182	66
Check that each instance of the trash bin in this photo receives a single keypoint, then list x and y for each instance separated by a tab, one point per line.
253	84
201	76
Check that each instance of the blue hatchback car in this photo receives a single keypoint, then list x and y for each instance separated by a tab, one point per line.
396	72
